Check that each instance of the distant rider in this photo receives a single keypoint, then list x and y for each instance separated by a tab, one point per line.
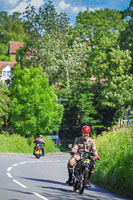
82	144
39	141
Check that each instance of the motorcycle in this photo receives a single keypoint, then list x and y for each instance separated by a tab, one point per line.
81	171
38	151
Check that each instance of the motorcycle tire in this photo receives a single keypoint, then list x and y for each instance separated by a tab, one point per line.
83	180
75	186
37	156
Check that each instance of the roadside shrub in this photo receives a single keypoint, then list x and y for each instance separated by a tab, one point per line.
18	144
115	170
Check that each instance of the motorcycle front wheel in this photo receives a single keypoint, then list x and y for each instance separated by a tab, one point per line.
83	180
75	186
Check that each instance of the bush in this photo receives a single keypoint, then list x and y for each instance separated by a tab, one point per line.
115	171
18	144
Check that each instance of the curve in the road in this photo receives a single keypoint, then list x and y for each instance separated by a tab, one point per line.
22	185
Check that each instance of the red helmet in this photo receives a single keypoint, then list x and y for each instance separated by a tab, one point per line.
86	129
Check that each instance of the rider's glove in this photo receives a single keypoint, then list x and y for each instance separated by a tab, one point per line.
97	156
72	153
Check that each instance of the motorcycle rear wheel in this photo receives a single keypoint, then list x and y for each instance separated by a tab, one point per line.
37	156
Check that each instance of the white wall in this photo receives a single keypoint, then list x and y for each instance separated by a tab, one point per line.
6	73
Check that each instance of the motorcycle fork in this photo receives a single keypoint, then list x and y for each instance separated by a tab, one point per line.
76	178
73	175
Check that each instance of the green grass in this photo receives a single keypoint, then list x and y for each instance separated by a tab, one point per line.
115	170
17	144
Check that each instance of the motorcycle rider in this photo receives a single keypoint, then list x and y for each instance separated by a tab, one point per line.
82	144
39	141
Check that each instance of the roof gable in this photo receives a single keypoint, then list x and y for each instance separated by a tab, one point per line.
7	68
4	64
14	46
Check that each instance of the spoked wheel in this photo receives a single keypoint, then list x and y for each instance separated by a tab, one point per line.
75	186
81	185
83	180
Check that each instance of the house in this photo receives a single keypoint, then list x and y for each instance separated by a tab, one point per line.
6	70
13	47
5	66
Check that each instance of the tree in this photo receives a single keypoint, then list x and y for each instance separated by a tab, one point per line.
79	109
52	47
4	53
69	63
4	106
43	29
126	36
88	112
100	24
102	30
115	95
34	107
11	27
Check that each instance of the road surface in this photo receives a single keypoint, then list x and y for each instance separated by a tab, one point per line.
23	177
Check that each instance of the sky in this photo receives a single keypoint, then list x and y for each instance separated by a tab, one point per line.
70	7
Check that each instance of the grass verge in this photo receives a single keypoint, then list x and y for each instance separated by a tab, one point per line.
115	170
17	144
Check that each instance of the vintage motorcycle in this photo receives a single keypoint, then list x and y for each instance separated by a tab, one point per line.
81	171
38	151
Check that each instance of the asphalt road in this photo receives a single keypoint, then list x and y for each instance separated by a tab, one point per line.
23	177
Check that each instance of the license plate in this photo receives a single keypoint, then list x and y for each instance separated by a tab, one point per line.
37	152
86	161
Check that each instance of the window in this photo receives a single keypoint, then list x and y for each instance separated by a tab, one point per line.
9	73
6	73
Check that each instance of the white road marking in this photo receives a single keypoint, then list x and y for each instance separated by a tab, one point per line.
9	169
19	183
9	175
14	165
40	196
21	163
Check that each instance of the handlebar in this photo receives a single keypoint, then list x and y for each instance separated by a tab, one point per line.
86	155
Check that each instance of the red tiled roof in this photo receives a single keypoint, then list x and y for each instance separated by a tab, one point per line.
5	63
14	46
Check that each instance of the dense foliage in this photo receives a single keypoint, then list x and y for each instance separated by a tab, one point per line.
126	36
34	106
18	144
115	171
108	61
69	56
11	29
4	106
